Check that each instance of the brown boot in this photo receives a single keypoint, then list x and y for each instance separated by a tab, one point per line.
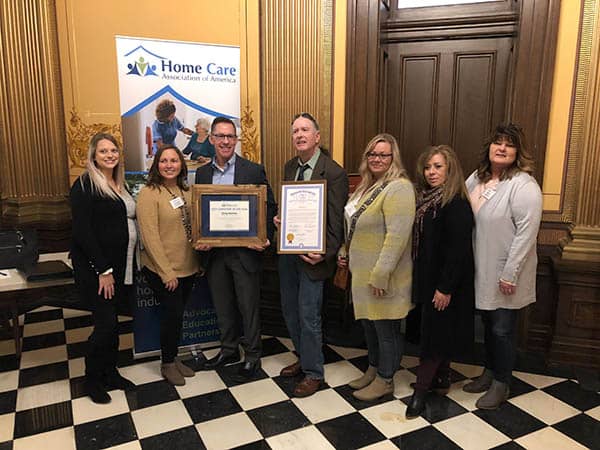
170	373
377	389
494	397
365	380
480	384
183	369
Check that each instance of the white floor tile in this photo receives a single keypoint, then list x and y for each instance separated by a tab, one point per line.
349	352
470	432
307	438
61	439
543	406
402	380
132	445
258	393
7	347
43	356
76	367
340	373
408	362
84	410
595	413
68	313
78	334
37	328
464	399
468	370
43	394
203	383
538	381
229	431
9	380
548	439
45	308
323	405
7	424
125	341
287	342
142	373
160	418
383	445
272	365
390	419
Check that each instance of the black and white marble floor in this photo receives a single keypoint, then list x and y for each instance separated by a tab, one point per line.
42	405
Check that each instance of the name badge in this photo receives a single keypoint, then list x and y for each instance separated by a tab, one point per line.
177	202
488	193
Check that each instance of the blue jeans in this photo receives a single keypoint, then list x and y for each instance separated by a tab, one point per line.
500	348
385	345
301	302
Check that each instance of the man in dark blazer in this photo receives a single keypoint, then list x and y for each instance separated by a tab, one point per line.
234	273
302	276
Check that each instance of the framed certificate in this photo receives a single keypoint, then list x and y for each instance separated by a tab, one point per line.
303	217
229	215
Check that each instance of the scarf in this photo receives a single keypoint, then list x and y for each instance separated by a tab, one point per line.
430	199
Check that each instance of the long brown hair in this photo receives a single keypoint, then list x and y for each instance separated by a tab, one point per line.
395	171
455	180
155	179
523	160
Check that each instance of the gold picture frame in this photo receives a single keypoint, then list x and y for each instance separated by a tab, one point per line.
229	215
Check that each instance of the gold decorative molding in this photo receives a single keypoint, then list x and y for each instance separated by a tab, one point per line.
249	138
79	134
582	199
296	67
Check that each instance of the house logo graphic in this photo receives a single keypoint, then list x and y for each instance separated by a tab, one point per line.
142	62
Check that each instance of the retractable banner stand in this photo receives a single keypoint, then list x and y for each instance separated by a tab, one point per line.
202	82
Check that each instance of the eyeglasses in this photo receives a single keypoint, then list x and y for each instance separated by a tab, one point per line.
374	156
222	137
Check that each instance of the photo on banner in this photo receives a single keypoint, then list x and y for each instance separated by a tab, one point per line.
192	81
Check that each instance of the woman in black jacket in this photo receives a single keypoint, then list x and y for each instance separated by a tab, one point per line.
442	271
104	237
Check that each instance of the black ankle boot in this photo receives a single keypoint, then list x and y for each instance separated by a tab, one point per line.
416	406
96	391
114	380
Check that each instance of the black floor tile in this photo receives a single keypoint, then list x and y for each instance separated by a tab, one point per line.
77	349
78	322
362	362
510	420
350	431
258	445
43	374
6	445
512	445
77	387
8	362
288	384
8	401
519	387
105	433
455	376
278	418
43	341
439	407
346	392
43	316
151	394
427	438
583	429
330	355
273	346
125	358
45	418
125	327
572	394
184	438
211	406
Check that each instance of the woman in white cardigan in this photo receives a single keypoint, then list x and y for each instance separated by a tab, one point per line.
507	203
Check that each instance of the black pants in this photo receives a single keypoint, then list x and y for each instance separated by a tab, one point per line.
500	346
103	343
172	304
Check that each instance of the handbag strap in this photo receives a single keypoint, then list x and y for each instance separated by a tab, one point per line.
360	210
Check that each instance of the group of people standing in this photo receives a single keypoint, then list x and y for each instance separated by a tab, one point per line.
440	245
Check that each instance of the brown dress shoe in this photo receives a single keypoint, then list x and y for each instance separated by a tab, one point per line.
292	370
308	386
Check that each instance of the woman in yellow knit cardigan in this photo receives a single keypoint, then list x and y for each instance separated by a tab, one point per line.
379	219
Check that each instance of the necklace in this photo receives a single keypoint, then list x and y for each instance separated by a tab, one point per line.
185	214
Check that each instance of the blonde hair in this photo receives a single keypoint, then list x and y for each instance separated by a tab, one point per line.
395	171
97	178
455	181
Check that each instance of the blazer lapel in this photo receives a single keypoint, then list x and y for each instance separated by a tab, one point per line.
318	172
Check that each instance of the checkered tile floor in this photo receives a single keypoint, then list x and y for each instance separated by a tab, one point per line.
42	404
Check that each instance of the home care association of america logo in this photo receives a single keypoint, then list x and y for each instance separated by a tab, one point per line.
142	62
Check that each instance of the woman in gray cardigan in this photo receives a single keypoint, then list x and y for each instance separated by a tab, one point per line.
507	203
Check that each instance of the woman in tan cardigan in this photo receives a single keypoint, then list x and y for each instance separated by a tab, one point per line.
168	259
379	218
